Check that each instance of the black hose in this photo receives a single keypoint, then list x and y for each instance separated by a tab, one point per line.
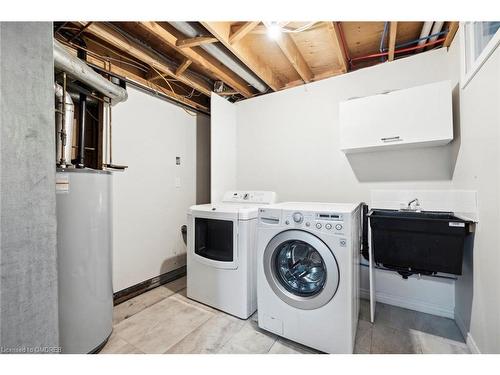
82	106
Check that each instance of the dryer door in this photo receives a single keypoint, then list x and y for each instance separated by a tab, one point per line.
301	269
216	242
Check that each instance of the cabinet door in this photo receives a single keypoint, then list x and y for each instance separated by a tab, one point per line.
420	116
364	121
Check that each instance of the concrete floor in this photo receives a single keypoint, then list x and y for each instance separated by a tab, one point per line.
164	320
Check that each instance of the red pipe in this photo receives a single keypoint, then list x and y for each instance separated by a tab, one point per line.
344	45
398	50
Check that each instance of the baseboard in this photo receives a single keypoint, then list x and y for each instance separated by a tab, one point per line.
409	304
142	287
461	326
471	344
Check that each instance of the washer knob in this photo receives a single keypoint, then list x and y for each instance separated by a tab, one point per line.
308	224
287	222
318	225
338	226
298	217
328	226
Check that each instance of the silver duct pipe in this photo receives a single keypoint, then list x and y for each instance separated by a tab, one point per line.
78	69
221	55
65	111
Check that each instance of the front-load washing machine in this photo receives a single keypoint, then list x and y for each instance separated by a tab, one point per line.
221	255
308	273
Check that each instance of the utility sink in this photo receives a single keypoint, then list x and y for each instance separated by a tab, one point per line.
434	215
423	242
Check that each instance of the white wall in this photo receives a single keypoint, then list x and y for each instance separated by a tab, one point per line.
478	168
202	159
149	205
288	142
223	147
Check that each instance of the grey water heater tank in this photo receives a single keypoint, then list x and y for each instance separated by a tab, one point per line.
84	246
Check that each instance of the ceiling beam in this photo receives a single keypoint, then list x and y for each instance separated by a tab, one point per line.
169	35
182	68
292	53
196	41
124	73
452	30
242	50
134	49
393	32
227	93
242	31
333	29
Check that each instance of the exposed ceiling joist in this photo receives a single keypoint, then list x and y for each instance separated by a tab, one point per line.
182	68
222	31
181	55
393	32
452	30
334	31
169	35
134	49
126	74
227	93
242	31
196	41
292	53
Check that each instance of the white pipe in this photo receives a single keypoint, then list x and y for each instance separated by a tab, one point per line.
436	29
64	131
222	56
78	69
426	31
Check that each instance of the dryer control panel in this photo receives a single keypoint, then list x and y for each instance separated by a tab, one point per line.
242	196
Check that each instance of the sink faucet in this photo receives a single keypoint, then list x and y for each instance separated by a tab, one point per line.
417	205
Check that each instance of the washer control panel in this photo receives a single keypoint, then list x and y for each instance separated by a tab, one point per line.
324	222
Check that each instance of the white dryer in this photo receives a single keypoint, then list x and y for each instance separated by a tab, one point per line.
221	255
308	273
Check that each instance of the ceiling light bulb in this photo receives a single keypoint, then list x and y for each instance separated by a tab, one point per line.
274	30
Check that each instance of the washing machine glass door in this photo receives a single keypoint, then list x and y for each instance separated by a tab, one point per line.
301	269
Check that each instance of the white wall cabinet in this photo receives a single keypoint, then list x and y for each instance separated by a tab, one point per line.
416	117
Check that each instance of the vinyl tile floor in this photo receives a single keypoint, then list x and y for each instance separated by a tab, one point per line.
164	320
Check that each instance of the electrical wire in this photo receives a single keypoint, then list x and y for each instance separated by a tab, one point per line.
91	115
135	64
142	68
398	51
173	91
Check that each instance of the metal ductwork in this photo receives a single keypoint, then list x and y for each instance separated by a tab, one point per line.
79	70
221	55
65	111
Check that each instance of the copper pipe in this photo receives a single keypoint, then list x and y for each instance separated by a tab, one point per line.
343	42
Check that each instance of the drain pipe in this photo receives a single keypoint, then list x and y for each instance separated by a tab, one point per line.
426	30
221	55
436	29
